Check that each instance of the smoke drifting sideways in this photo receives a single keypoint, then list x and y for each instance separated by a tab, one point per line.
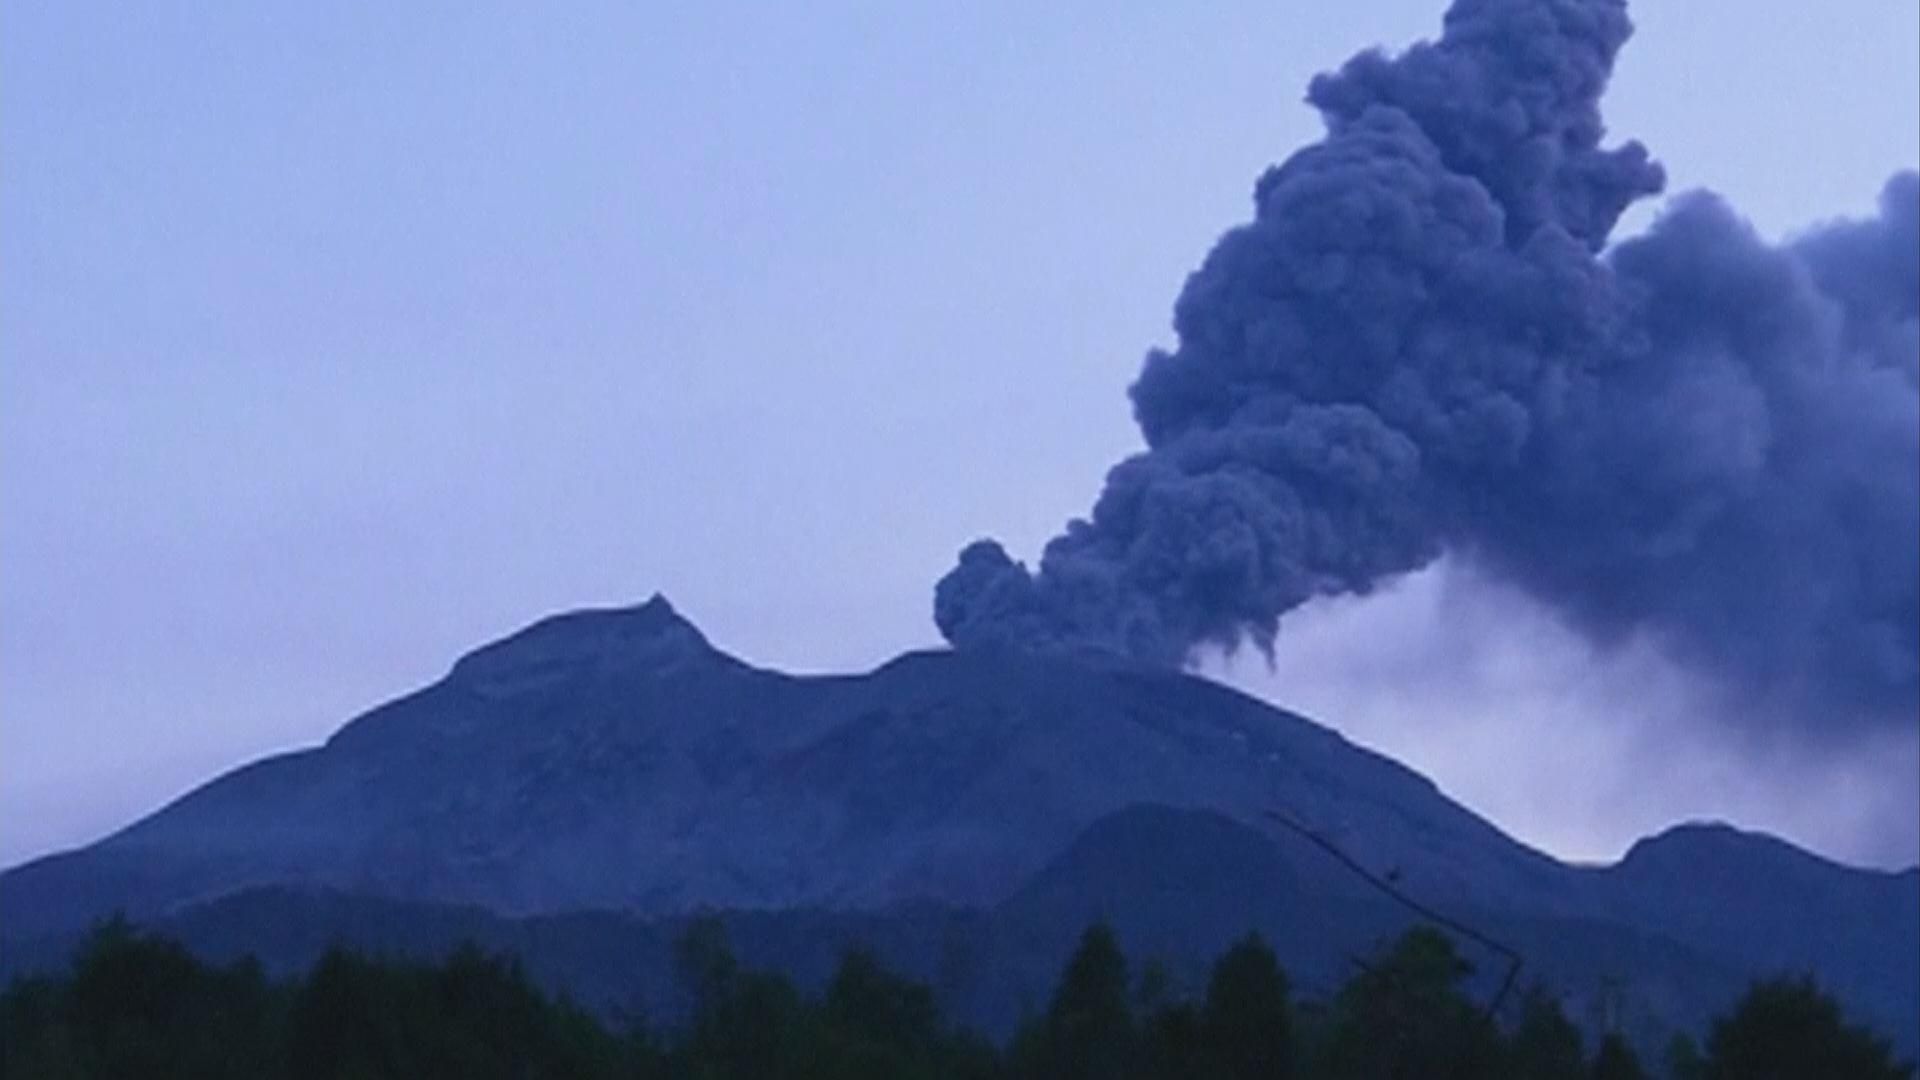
1422	344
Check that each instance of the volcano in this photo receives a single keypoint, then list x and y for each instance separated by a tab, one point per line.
614	762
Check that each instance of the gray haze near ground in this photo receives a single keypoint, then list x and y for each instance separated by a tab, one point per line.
1520	710
337	342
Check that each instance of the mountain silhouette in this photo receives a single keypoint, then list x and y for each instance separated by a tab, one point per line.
980	806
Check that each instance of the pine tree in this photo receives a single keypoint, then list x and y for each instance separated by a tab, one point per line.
1404	1018
1546	1045
1616	1061
1088	1032
1246	1024
1788	1029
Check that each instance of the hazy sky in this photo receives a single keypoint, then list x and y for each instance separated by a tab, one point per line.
338	339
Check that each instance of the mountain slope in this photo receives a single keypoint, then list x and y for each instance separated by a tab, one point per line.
1178	886
614	760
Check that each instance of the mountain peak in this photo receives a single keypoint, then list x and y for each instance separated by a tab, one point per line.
1689	846
584	644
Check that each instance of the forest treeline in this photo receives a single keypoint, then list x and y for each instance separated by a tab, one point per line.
138	1005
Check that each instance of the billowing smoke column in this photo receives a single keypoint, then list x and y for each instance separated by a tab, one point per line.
1417	346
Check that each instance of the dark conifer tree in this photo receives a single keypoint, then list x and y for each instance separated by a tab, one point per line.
1545	1044
1088	1031
1788	1029
1616	1061
1246	1024
1404	1017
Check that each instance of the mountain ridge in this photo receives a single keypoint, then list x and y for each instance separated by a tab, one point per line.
614	759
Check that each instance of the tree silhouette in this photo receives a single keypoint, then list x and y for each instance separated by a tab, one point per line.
1683	1058
1246	1024
1171	1044
1088	1031
140	1005
744	1024
1788	1029
881	1025
703	962
1545	1044
1404	1017
136	1005
472	1016
1616	1061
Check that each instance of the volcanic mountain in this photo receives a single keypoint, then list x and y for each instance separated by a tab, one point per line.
614	761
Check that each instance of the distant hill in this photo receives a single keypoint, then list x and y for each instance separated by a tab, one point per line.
578	788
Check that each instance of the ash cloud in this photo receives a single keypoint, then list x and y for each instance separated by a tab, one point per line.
1422	344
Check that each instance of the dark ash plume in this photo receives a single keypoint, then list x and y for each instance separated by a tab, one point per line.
1417	346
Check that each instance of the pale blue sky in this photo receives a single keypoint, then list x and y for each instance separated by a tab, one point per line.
337	339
